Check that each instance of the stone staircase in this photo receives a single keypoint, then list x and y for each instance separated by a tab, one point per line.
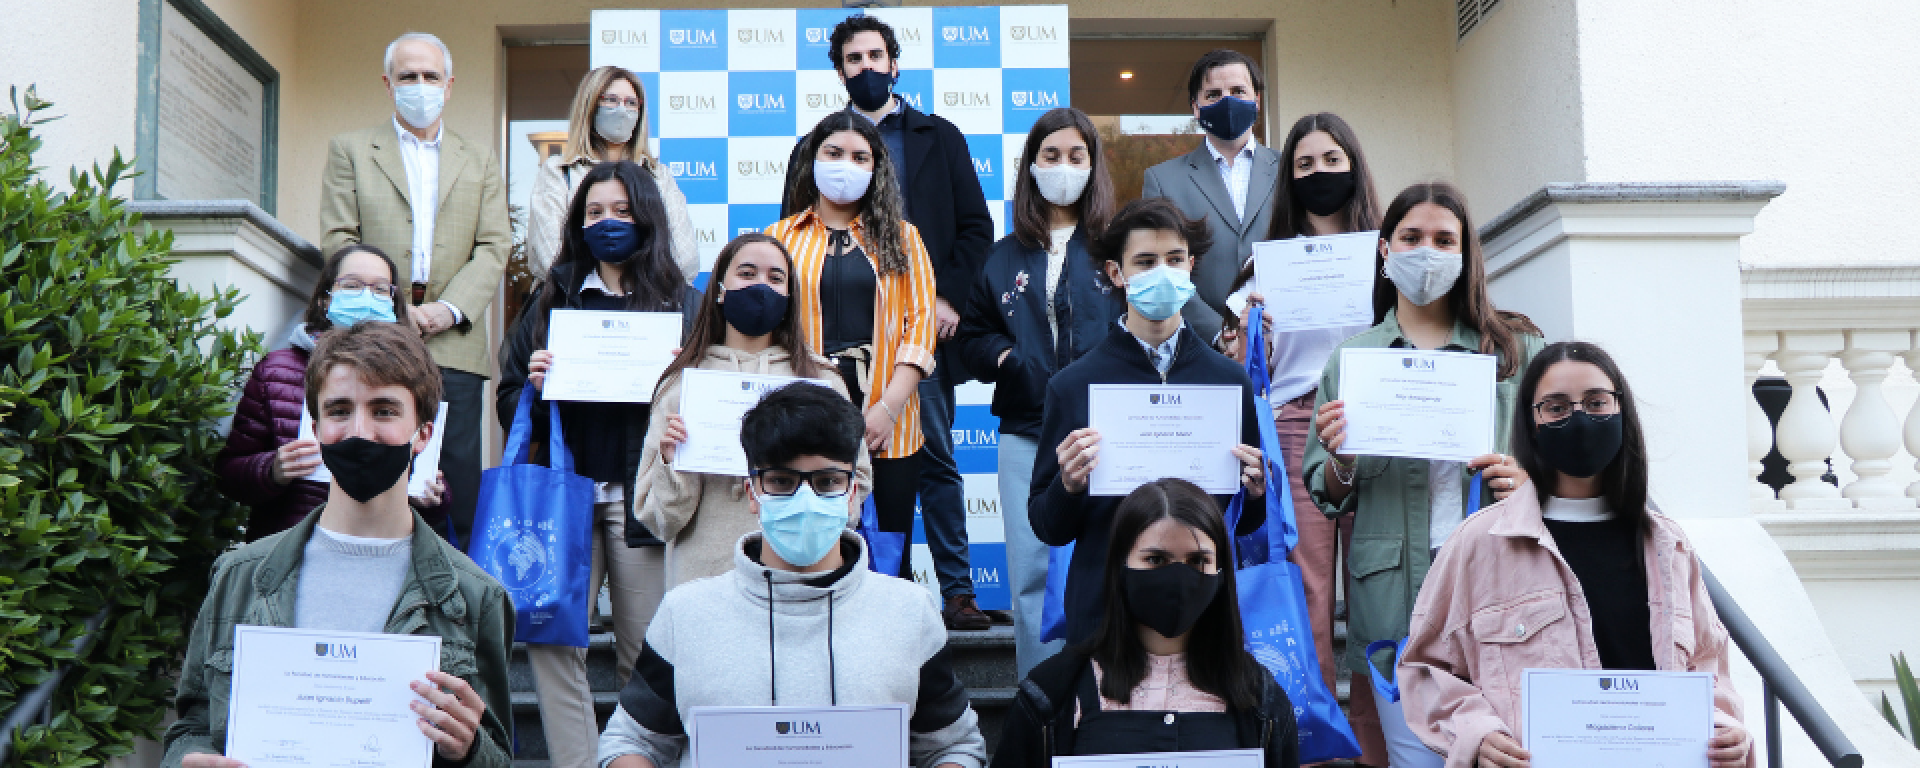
983	661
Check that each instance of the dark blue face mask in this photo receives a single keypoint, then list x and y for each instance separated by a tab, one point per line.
870	89
1228	118
614	241
754	310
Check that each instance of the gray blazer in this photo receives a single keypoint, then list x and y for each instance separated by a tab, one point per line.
1192	182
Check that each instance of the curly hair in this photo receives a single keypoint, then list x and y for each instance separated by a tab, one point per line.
882	213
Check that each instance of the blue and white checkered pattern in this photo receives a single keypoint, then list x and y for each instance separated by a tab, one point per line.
730	90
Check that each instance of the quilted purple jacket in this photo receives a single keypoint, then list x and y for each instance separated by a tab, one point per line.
267	417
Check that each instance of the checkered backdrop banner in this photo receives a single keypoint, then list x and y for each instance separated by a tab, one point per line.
729	91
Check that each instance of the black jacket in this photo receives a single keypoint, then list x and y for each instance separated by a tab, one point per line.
1060	517
529	336
1008	310
944	202
1040	725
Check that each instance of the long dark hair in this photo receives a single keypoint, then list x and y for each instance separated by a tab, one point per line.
1031	225
1623	482
652	280
1499	329
710	325
1290	214
316	318
882	214
1217	658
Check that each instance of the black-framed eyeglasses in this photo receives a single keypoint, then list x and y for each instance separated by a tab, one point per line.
350	284
826	483
1596	402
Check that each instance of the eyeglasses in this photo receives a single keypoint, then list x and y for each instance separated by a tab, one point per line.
616	101
826	483
1598	402
351	284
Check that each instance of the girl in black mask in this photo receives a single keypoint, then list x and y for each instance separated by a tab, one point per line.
745	324
1168	670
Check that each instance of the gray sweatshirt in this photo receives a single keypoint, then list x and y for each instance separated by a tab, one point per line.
861	639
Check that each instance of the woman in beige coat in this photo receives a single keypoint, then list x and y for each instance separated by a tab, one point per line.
608	122
746	324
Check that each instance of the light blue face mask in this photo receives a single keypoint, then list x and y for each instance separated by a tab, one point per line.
802	528
346	309
1160	292
419	104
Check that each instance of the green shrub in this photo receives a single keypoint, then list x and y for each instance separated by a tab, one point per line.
1909	698
112	377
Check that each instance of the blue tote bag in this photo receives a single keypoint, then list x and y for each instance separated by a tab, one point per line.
1053	603
533	531
884	550
1273	603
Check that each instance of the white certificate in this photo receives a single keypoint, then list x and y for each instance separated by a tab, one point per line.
1418	404
1220	758
712	403
1580	718
783	737
424	465
609	357
1317	282
1151	431
313	698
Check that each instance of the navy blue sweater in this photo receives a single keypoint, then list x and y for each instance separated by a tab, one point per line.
1060	517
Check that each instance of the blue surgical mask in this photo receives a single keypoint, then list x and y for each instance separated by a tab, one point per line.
419	105
1228	118
802	528
346	309
1159	293
614	241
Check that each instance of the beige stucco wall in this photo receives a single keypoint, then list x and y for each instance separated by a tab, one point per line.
83	55
1820	96
1516	104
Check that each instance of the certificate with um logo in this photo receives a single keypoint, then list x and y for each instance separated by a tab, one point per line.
315	699
1151	431
1606	718
783	737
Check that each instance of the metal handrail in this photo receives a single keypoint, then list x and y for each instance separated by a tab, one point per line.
1779	685
36	707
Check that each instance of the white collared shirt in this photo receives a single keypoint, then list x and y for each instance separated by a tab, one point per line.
421	158
1162	354
1237	176
594	282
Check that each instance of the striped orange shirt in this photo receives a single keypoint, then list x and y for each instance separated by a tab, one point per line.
902	316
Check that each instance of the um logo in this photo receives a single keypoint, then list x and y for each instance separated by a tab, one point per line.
909	34
694	170
1159	399
762	102
691	103
826	100
1619	684
818	35
1035	99
761	36
967	35
706	235
1416	364
760	169
908	97
982	165
1032	33
623	37
693	37
336	650
973	99
796	728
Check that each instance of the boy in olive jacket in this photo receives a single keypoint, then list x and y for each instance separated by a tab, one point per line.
362	562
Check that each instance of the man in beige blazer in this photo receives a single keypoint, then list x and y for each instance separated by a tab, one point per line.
436	204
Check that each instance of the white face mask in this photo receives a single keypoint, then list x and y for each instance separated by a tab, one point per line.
615	124
842	182
1425	273
419	104
1062	184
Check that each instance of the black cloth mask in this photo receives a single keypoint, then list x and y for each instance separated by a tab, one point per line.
1169	599
754	310
1324	193
870	89
1580	445
364	468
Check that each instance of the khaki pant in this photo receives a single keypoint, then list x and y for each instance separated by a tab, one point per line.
636	578
1320	567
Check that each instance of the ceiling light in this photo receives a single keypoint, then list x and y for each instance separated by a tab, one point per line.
1126	74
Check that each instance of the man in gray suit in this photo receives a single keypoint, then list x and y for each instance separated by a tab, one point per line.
1229	178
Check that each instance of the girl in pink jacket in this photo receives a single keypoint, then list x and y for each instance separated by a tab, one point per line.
1579	573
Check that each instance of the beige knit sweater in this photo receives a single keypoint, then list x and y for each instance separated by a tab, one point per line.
553	189
702	516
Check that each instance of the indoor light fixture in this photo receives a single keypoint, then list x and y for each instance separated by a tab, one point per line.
1126	74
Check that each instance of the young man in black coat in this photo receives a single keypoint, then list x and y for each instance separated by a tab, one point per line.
1148	251
945	203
